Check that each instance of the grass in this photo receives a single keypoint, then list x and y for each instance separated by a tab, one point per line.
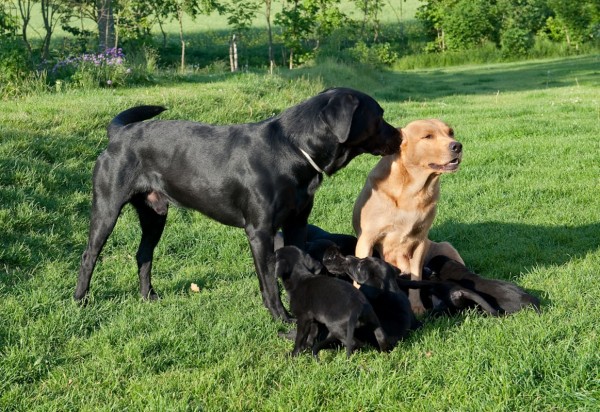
524	207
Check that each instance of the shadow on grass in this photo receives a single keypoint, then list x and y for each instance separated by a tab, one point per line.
438	83
508	250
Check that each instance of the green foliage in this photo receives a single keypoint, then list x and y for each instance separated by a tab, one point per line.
8	22
511	24
468	24
108	69
516	41
14	62
580	19
377	54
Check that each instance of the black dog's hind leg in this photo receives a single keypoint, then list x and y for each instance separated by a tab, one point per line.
306	330
152	224
104	215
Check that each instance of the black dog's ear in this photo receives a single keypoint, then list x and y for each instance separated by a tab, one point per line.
338	114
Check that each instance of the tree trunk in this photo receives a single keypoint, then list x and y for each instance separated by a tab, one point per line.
47	17
270	33
25	7
180	18
106	24
233	54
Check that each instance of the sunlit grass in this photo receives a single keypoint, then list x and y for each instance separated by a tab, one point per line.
523	207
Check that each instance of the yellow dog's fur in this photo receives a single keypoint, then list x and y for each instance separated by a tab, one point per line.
397	205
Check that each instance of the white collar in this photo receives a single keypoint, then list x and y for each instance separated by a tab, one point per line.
311	161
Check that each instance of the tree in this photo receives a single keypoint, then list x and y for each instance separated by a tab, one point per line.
106	24
240	14
179	8
580	19
8	23
305	21
25	7
432	14
471	23
370	10
520	21
270	34
53	12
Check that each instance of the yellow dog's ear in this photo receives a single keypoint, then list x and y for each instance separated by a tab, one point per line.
338	114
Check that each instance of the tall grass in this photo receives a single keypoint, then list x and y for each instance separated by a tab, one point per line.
524	207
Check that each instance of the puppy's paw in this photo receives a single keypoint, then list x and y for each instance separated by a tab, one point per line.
291	335
418	309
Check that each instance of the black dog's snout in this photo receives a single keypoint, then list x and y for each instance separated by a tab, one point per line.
456	147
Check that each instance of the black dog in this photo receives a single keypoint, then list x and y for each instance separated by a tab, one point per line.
323	300
260	176
378	282
499	296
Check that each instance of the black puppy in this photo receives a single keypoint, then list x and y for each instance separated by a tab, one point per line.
260	176
444	297
323	300
500	296
379	284
374	274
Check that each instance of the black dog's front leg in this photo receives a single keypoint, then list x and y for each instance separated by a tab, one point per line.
261	244
295	229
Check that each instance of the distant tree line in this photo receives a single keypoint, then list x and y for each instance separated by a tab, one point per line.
303	25
510	24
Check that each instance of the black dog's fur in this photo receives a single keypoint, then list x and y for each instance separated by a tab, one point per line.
378	283
448	286
252	176
323	300
500	297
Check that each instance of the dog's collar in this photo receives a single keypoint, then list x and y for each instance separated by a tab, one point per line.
312	162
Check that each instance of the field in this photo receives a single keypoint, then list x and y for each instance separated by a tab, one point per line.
523	207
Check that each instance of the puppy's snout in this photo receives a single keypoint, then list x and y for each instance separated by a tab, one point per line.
456	147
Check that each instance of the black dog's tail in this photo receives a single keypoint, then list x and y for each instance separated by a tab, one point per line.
133	115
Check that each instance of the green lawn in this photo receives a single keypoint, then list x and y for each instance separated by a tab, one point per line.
524	207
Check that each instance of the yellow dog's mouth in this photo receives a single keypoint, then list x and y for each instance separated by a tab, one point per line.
451	166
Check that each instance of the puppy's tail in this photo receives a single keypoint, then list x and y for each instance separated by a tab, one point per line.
133	115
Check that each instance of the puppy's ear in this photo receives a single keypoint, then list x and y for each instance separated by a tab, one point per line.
359	273
338	114
283	269
312	265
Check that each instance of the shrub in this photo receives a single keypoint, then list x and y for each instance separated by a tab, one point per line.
378	54
14	63
106	69
516	41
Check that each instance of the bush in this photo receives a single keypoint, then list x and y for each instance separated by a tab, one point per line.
516	41
378	54
106	69
14	63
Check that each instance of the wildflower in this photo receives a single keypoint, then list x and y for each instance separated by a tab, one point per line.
109	82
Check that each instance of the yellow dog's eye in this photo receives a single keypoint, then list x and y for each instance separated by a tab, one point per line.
429	136
451	132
